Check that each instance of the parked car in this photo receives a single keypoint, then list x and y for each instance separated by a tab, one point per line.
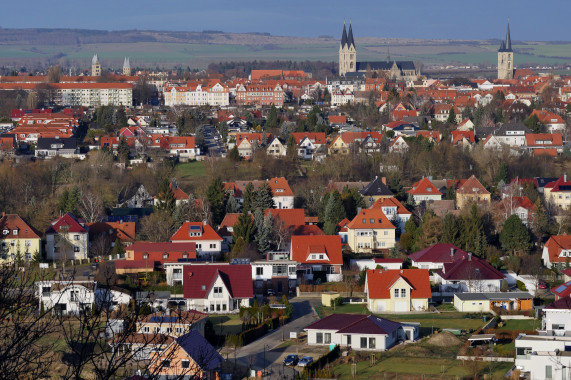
271	292
542	284
306	360
291	360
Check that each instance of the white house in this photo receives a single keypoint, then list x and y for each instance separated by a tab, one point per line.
276	148
67	239
208	242
557	317
66	297
277	273
435	256
394	211
373	263
111	298
469	275
359	332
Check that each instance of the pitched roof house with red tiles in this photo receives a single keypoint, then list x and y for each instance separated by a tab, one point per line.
552	121
208	242
394	290
394	210
557	251
67	238
281	191
359	332
559	192
18	238
370	230
435	256
424	190
469	274
317	253
523	207
217	288
543	142
471	190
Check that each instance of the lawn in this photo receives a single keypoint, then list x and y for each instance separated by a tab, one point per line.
520	324
187	170
226	324
421	366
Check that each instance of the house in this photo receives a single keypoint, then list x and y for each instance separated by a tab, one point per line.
141	346
562	291
375	190
559	192
465	139
7	146
20	241
469	274
397	290
370	230
359	332
135	196
487	302
394	210
308	143
375	262
172	322
111	298
552	122
398	145
276	272
491	142
179	195
557	316
512	134
208	242
217	288
66	297
276	148
52	147
338	146
282	194
523	207
109	232
424	190
471	191
189	356
318	257
540	143
67	238
435	256
465	125
161	252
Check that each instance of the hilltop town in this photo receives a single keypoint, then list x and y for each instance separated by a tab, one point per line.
283	223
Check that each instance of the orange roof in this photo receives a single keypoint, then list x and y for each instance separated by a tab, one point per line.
13	222
124	231
424	187
337	119
289	217
280	187
379	282
350	137
551	152
370	219
472	186
316	137
183	233
459	135
543	139
389	202
330	245
435	135
230	220
546	117
555	245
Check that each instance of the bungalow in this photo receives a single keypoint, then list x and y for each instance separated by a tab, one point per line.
370	230
424	190
359	332
208	242
469	274
318	257
397	290
435	256
217	288
486	302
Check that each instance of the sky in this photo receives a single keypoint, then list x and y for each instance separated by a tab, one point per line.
435	19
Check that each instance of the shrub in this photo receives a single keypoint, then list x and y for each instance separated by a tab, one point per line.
521	286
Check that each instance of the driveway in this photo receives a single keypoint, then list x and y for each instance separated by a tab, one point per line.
265	352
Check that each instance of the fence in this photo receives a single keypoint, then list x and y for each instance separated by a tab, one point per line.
486	358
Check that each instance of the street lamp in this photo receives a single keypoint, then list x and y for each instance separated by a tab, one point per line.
264	370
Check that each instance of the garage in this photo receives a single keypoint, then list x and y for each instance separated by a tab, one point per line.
401	306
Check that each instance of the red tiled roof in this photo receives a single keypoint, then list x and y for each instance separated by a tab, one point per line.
551	152
199	279
364	217
470	268
316	137
355	324
439	253
563	303
543	139
124	231
424	187
459	135
300	248
558	185
546	117
310	229
555	245
390	202
562	291
230	220
68	221
290	217
183	233
379	282
13	222
337	119
470	184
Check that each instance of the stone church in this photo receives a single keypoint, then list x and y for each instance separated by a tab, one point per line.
348	65
506	58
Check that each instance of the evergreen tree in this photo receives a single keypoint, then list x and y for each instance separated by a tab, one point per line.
234	155
322	206
450	193
272	119
258	221
410	227
473	236
247	197
238	247
244	228
118	250
352	202
264	237
123	150
232	205
263	197
334	211
514	236
166	199
121	118
533	123
291	149
502	173
216	197
451	117
450	230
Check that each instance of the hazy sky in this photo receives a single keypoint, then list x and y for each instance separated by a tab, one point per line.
458	19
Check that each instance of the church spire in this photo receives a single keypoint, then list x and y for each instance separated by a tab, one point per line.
508	38
388	53
344	36
350	40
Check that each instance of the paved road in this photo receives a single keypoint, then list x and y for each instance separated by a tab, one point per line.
213	140
265	351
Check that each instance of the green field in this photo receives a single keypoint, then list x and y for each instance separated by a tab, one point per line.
226	324
188	170
521	324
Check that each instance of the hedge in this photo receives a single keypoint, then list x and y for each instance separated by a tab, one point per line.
324	359
253	333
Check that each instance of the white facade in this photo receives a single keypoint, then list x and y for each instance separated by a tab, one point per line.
285	201
218	300
557	320
276	148
361	342
67	246
66	297
95	97
371	264
543	357
474	285
111	299
216	95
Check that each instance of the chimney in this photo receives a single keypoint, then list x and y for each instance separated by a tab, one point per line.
565	177
452	252
204	222
384	180
469	256
402	271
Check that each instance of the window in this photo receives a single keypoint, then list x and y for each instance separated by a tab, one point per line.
319	338
548	372
165	256
75	237
348	340
372	343
363	342
364	221
213	245
259	271
166	363
327	338
15	232
372	221
198	246
75	249
185	363
217	292
146	329
145	256
403	293
396	293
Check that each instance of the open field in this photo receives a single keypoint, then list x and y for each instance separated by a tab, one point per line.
521	324
226	324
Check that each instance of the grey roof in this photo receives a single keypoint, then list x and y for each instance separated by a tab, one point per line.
350	40
384	65
202	352
494	296
502	130
66	143
344	36
506	46
376	187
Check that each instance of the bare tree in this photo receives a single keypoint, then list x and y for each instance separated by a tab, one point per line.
91	207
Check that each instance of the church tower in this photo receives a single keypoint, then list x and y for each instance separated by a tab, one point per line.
95	67
506	58
126	67
347	52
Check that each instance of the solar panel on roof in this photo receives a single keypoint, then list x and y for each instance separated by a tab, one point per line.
195	228
561	288
163	319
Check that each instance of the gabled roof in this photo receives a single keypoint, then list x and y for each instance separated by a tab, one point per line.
199	279
124	231
202	352
523	202
289	216
460	135
471	268
563	290
302	246
376	188
315	137
563	303
543	139
13	222
472	186
562	184
183	233
424	187
371	219
379	282
310	229
355	324
439	253
555	245
230	220
390	202
68	221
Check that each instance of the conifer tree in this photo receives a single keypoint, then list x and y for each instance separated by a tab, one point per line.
514	236
263	197
247	197
264	237
166	198
232	205
450	230
244	228
217	199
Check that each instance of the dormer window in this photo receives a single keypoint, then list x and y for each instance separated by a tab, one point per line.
364	221
372	221
145	256
6	232
165	256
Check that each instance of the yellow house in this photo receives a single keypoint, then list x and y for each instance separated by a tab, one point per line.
338	146
559	193
370	230
471	191
19	239
397	290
